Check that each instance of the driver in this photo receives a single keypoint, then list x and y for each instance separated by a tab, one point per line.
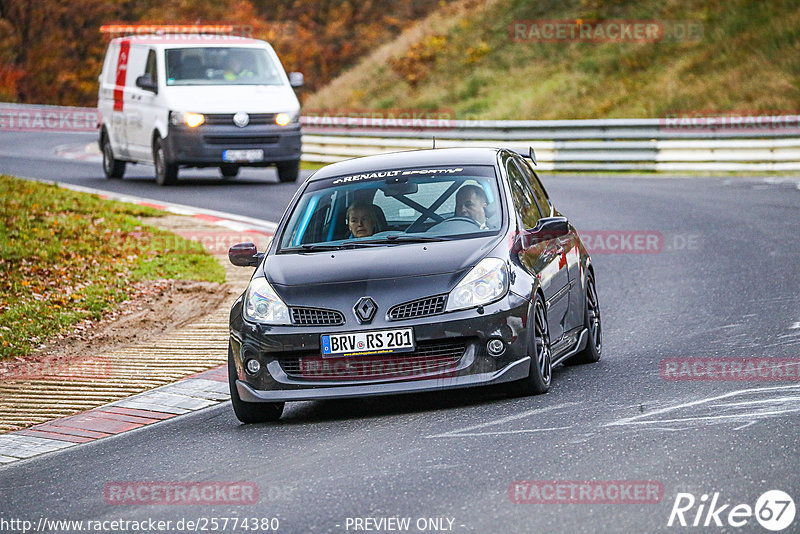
361	219
236	68
471	201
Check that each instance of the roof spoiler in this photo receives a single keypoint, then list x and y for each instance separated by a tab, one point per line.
531	155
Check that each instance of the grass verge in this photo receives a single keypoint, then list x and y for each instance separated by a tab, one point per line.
68	256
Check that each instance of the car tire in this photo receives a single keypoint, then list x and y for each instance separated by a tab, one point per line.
591	322
250	412
541	370
229	171
288	171
166	173
113	168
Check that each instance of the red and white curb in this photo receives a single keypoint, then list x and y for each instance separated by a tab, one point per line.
232	221
184	396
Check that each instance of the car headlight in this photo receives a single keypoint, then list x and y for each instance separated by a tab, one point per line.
192	120
485	283
263	305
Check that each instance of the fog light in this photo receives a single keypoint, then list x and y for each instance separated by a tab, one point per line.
253	366
496	347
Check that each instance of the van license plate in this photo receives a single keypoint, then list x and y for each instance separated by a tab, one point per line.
364	343
243	155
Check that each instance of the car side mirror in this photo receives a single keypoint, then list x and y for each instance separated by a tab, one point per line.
145	81
245	255
296	79
546	229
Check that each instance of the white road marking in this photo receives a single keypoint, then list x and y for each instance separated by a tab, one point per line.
464	431
779	405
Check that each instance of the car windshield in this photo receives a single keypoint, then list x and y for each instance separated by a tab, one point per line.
221	66
390	207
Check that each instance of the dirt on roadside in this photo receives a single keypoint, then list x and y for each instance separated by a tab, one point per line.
157	307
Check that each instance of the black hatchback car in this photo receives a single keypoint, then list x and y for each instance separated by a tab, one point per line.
409	272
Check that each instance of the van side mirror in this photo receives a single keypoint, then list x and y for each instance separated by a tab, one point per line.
296	79
245	255
145	81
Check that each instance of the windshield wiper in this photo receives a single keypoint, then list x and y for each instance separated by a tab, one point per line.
321	247
408	239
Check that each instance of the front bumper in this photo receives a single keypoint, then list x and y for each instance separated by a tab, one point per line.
204	145
279	381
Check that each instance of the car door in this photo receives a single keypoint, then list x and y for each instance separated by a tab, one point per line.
569	243
546	259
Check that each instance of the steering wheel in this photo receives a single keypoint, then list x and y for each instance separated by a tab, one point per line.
458	219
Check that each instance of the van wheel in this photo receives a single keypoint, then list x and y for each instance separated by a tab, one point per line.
229	171
250	412
166	173
113	168
288	170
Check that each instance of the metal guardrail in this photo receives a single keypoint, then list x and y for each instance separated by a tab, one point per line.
680	144
764	143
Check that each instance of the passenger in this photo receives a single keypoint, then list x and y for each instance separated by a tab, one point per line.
471	201
361	219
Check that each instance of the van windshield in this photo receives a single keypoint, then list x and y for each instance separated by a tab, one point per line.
221	66
394	206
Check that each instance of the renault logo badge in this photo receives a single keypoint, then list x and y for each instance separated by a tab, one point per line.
241	119
365	310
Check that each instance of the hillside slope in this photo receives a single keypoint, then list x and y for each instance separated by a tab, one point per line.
463	58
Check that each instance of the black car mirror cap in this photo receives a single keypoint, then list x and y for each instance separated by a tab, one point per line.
145	81
546	229
245	255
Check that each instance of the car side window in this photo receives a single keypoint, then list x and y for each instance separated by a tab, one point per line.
537	188
524	200
150	68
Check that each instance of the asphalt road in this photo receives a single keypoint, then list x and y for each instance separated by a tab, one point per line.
725	284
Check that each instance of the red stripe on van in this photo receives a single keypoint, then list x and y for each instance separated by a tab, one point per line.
122	71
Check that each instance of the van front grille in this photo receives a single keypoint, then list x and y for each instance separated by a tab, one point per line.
236	140
226	119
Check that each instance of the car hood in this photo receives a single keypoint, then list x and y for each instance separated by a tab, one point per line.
232	98
394	273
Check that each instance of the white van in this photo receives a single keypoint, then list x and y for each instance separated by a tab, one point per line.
197	101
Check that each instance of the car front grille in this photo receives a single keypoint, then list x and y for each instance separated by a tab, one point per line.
226	119
418	308
429	358
316	317
237	140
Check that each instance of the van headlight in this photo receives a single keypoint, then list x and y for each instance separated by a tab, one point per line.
192	120
282	119
485	283
263	305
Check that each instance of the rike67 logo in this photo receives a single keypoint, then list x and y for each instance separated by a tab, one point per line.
774	510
